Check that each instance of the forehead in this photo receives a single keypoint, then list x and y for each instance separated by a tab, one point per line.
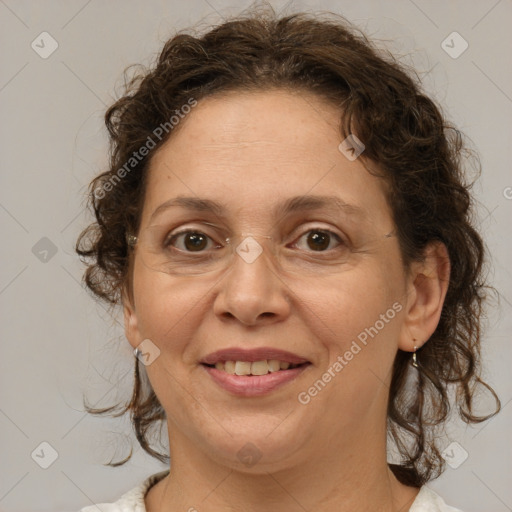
251	150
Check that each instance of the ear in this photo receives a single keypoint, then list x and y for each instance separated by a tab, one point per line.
131	328
427	285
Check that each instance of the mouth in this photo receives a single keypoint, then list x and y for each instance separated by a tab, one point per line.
255	372
255	368
253	384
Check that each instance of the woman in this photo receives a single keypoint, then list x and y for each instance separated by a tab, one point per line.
286	224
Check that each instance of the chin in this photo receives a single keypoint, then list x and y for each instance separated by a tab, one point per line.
256	450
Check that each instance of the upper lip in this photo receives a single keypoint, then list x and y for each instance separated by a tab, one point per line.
252	355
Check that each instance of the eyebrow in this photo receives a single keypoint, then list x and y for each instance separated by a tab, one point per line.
291	205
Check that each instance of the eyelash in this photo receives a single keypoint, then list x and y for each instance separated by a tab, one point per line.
171	238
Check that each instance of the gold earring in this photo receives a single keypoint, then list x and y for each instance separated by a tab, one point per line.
414	360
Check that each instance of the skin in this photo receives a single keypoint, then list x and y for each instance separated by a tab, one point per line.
252	151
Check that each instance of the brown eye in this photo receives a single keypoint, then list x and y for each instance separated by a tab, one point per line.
195	241
189	241
319	240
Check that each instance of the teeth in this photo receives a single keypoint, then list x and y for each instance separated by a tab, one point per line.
255	368
259	368
228	367
274	365
242	368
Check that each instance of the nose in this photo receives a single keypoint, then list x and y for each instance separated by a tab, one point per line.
252	292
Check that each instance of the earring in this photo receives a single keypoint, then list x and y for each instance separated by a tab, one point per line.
131	240
414	360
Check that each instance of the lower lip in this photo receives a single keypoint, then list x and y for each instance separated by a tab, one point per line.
255	385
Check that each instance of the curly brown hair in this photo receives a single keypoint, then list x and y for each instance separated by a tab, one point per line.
421	156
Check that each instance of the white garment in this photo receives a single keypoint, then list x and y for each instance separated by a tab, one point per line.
133	501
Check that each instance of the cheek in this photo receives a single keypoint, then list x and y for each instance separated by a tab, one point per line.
354	320
167	308
347	304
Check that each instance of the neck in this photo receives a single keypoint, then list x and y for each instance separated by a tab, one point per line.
338	476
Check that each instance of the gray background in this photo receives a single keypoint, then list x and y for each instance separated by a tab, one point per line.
57	343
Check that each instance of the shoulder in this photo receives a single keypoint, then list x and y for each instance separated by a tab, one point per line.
131	501
428	501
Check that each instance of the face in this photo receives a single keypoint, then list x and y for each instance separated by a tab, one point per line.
329	285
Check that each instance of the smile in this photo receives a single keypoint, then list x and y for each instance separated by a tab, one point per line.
246	379
253	368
